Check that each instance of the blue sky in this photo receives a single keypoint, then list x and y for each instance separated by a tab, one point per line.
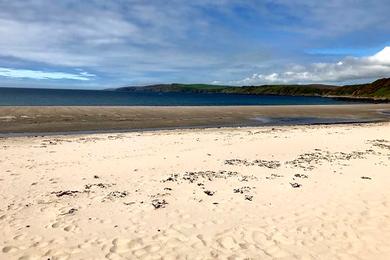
102	44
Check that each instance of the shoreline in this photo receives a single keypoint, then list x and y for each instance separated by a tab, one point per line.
375	100
38	120
183	128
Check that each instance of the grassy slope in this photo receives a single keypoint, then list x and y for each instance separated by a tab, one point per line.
379	89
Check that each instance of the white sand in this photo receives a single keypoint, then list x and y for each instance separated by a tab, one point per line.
334	214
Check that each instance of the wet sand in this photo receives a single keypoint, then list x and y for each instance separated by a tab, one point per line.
69	119
288	192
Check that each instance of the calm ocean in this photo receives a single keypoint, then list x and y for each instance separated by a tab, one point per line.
57	97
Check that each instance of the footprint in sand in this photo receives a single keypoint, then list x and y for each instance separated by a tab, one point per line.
9	249
228	243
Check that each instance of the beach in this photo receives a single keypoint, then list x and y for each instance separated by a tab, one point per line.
264	192
194	130
32	120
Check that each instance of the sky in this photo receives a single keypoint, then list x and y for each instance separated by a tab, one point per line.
99	44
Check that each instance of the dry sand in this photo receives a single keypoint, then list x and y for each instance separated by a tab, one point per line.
307	192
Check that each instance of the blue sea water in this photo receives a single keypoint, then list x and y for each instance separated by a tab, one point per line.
60	97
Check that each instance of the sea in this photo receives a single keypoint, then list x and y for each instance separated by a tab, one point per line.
71	97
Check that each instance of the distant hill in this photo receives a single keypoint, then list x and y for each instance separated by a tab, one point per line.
378	90
177	87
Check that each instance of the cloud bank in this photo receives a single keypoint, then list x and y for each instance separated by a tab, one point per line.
36	74
347	69
131	42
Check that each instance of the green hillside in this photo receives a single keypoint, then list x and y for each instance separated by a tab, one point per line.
379	89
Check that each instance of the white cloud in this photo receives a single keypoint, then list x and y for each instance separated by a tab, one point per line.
350	68
37	74
382	57
96	33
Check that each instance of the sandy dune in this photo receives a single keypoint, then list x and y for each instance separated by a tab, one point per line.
307	192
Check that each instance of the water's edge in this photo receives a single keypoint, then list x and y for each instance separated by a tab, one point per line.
200	127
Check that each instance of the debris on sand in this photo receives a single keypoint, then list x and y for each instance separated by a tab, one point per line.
116	194
303	176
157	203
208	175
260	163
295	185
381	143
159	195
209	193
192	177
99	185
245	178
273	176
248	197
70	212
309	161
267	164
172	178
237	162
65	193
242	190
